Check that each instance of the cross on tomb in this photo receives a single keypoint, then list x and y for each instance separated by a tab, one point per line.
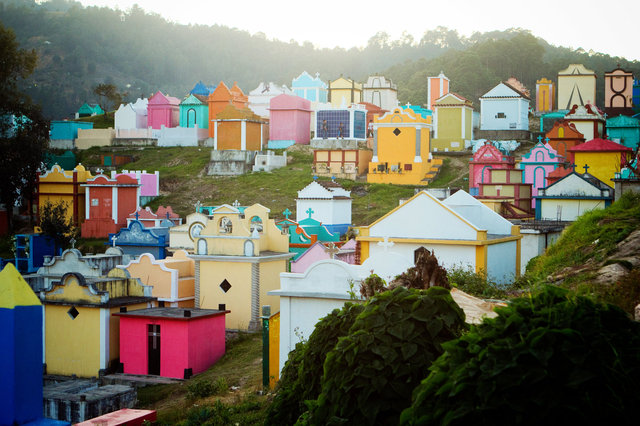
573	166
286	213
586	168
386	244
315	178
113	240
137	215
546	140
236	204
332	249
73	242
168	215
197	205
540	139
99	171
309	212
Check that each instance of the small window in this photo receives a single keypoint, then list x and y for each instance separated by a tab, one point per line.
225	285
73	312
225	225
408	167
501	115
397	131
256	223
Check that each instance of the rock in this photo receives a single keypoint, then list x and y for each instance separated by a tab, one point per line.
611	273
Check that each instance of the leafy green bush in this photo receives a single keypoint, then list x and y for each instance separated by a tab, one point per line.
205	388
301	375
369	376
217	415
547	359
477	283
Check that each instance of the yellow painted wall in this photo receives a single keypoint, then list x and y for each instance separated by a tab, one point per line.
270	280
57	185
152	275
340	90
253	136
449	129
274	349
237	299
602	165
400	149
72	346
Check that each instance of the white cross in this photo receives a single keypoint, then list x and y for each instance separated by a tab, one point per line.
385	244
332	250
73	242
113	240
236	204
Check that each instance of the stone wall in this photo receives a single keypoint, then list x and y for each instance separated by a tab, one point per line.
230	162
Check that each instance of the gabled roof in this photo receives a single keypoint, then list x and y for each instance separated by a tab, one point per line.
452	99
504	90
193	100
600	145
161	99
570	131
573	184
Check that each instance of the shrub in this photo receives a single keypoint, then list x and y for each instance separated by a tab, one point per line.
217	415
205	388
546	359
477	283
301	375
369	376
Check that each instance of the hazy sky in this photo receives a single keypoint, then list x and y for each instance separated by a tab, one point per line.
589	24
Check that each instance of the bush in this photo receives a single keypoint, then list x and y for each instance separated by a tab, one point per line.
302	373
477	283
217	415
547	359
369	376
205	388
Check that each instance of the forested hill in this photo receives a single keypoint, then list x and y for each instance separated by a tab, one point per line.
142	52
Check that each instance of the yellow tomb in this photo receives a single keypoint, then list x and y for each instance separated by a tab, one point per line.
401	149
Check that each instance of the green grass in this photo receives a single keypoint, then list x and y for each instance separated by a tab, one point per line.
101	121
588	241
183	182
240	367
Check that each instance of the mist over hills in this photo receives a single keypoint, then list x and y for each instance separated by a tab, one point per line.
140	52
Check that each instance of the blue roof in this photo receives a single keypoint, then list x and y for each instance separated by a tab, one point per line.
201	89
305	80
424	112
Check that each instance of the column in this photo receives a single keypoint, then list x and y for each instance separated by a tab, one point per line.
418	158
375	144
243	135
254	323
215	135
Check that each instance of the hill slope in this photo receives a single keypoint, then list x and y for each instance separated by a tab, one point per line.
599	254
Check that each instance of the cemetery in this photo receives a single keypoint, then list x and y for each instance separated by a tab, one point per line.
344	192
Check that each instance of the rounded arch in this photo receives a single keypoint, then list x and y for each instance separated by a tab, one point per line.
256	224
191	117
202	246
225	226
248	248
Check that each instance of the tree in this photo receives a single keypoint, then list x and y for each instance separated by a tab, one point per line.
24	133
109	96
56	223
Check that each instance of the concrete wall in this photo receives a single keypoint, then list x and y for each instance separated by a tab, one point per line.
88	138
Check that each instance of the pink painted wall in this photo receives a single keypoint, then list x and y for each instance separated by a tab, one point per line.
541	160
289	119
196	343
163	111
150	181
316	252
486	158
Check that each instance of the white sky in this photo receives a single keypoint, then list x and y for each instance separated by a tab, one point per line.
607	27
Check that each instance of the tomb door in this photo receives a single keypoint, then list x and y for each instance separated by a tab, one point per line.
191	117
153	349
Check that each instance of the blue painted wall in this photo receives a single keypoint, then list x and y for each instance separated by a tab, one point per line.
67	129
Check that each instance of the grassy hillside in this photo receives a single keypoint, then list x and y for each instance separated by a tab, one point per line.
229	391
183	182
595	240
